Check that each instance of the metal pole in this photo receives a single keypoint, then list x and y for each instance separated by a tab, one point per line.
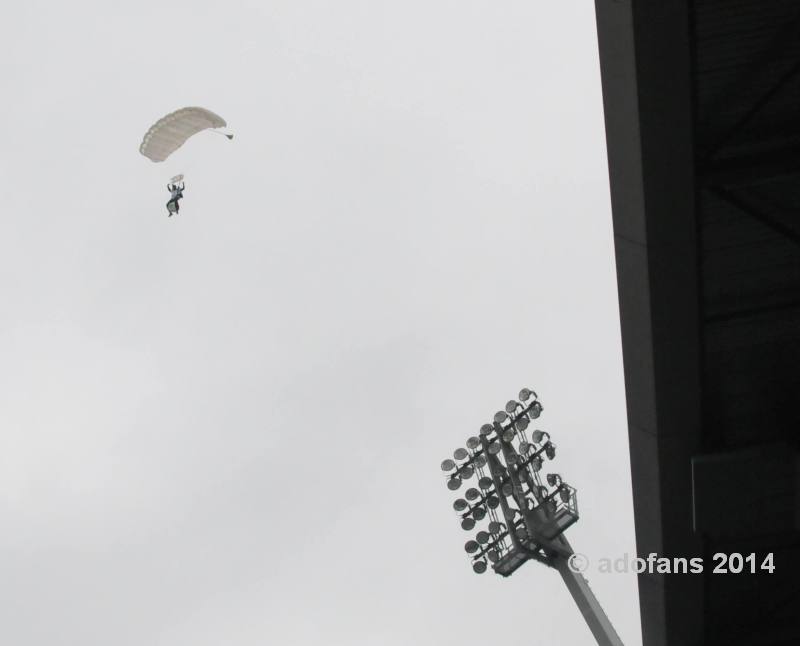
560	551
587	603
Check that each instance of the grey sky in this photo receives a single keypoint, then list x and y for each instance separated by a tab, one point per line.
225	427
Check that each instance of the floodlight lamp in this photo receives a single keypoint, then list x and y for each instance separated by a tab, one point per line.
553	479
525	394
564	493
550	450
500	416
486	429
537	436
479	567
448	465
460	454
511	406
453	483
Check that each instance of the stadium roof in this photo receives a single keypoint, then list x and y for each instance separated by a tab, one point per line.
702	110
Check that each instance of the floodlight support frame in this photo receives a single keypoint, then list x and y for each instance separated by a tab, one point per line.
554	551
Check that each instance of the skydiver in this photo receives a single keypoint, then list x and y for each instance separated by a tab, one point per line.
176	194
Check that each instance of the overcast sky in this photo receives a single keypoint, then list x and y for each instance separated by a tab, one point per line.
226	427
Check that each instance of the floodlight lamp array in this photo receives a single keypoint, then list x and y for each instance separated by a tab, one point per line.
507	464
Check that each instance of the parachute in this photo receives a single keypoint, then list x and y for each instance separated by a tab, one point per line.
172	131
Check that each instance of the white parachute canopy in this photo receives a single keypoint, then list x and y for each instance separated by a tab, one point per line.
171	132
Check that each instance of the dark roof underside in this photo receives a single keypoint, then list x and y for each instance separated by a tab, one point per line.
702	108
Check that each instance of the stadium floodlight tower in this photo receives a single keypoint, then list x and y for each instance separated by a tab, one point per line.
527	515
